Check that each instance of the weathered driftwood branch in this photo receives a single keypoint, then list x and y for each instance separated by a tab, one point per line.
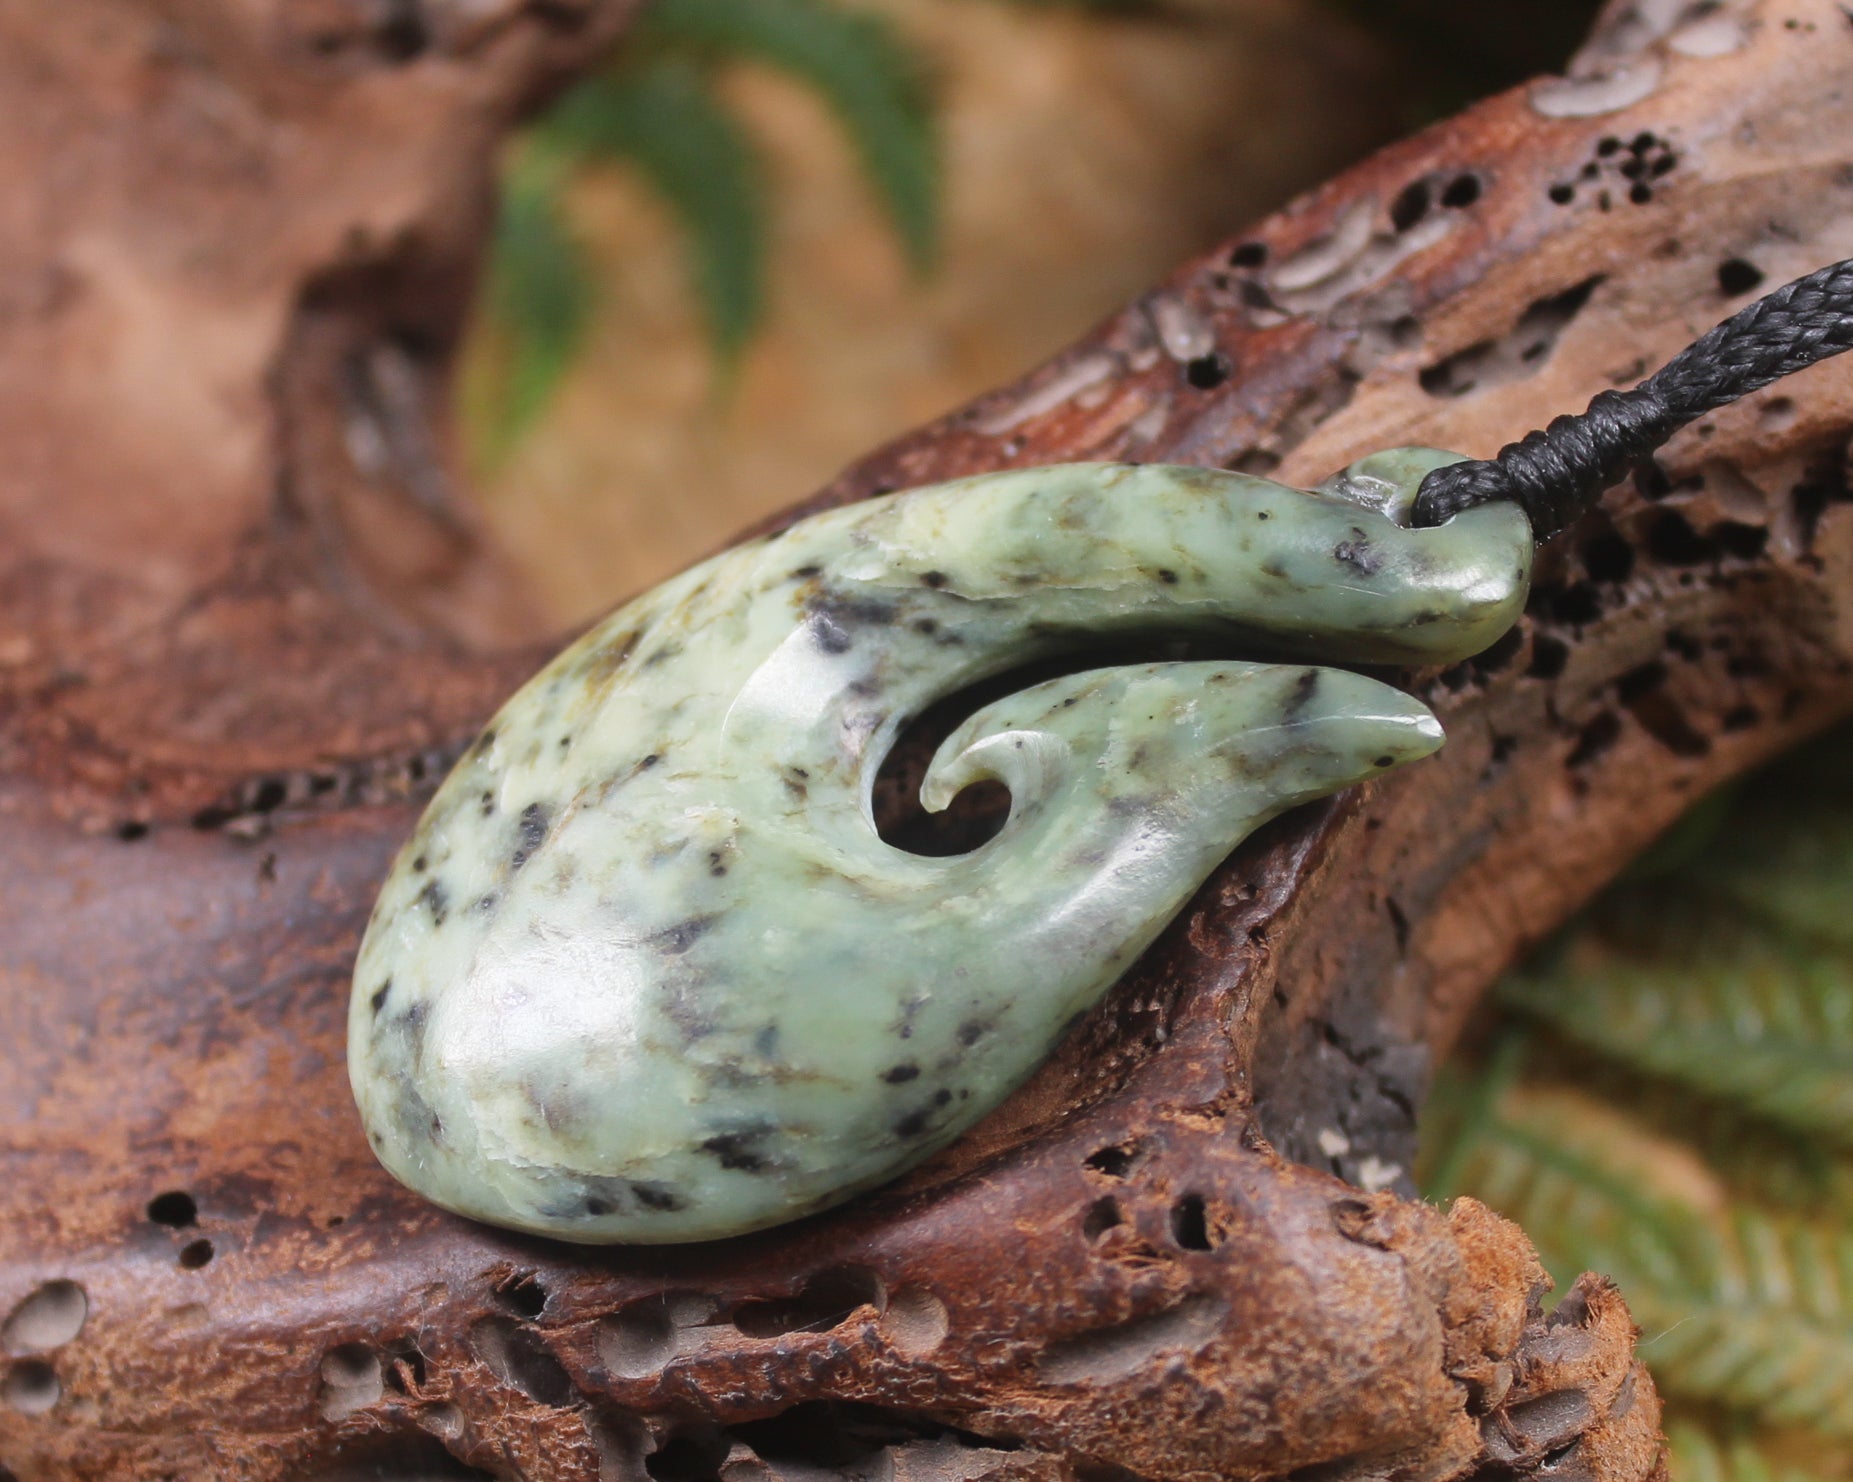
235	629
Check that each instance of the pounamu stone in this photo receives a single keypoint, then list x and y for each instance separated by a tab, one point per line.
647	973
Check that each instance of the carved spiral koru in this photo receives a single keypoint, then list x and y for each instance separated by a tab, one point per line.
647	972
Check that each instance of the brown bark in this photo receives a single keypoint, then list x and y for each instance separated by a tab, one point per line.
243	616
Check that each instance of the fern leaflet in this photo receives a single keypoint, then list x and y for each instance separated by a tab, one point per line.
1709	999
539	294
858	65
662	117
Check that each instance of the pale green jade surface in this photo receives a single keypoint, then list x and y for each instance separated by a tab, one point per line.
646	972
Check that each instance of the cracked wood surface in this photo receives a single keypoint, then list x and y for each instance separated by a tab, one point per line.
244	619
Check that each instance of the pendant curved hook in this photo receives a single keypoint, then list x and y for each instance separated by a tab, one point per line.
646	971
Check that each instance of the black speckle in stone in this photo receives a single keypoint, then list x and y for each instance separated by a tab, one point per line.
594	1197
485	741
896	1075
673	941
419	864
913	1124
1356	553
831	637
738	1151
1167	576
488	801
649	761
973	1030
934	579
1385	761
865	611
1304	688
528	833
926	626
662	655
412	1022
716	863
437	898
806	573
378	1001
414	1115
942	1097
835	617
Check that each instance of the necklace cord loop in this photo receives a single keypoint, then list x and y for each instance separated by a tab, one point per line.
1557	474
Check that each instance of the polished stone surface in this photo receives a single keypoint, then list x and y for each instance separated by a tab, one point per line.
646	972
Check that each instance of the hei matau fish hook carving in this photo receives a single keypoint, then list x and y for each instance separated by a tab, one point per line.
646	972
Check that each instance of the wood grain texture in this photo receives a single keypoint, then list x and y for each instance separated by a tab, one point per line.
224	682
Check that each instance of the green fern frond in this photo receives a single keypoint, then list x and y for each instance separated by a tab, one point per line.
1786	855
661	116
858	64
1792	864
1712	1000
538	295
1772	1332
1740	1308
1758	1160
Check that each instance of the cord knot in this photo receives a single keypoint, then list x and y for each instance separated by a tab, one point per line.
1556	475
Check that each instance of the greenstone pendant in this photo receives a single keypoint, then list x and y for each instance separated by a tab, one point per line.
646	972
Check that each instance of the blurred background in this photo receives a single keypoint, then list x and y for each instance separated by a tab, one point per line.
772	234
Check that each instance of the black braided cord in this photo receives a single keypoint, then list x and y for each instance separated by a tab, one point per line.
1557	474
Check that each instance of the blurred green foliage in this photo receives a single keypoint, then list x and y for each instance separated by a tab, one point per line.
655	108
1667	1098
